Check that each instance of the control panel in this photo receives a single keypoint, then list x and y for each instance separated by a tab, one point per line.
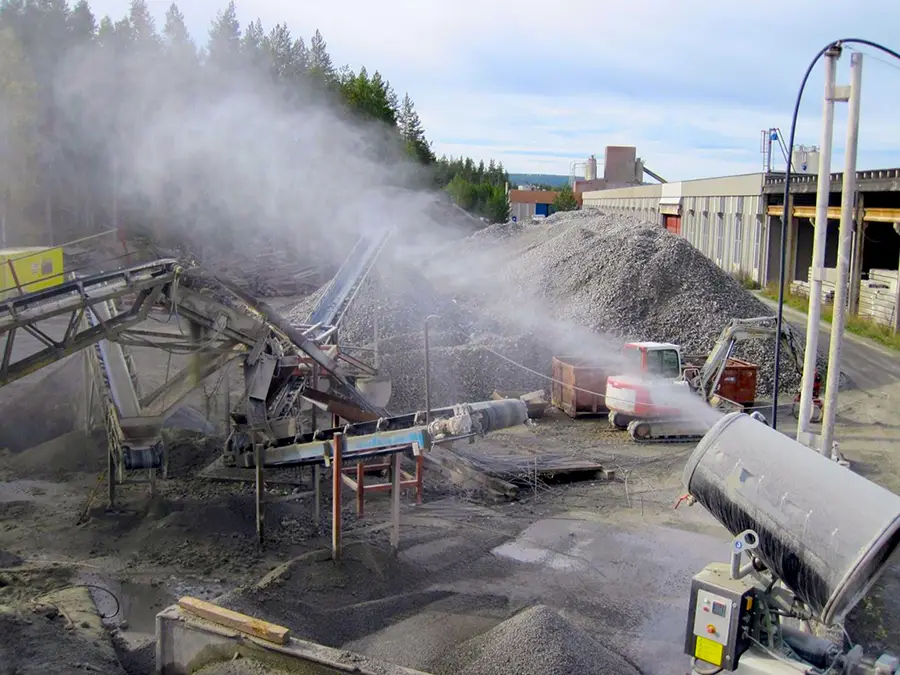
721	610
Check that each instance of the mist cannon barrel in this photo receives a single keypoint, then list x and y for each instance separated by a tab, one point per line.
824	530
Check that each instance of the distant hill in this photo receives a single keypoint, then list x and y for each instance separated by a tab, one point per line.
537	179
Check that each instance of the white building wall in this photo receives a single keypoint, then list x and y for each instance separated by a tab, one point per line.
724	218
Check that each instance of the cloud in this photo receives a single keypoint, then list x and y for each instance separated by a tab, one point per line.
691	84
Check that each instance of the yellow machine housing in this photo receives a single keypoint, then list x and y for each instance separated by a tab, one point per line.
36	268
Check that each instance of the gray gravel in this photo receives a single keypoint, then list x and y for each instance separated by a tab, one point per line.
539	641
241	667
577	284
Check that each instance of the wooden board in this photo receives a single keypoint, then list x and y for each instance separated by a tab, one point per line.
239	622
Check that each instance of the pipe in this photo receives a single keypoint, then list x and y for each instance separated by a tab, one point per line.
819	242
848	190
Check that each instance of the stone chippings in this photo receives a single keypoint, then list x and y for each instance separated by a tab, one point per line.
536	641
526	290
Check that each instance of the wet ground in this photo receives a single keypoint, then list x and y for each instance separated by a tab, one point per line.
613	555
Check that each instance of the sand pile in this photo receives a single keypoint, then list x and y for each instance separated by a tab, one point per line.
536	641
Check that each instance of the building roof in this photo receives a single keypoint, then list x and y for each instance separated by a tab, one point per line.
532	196
872	180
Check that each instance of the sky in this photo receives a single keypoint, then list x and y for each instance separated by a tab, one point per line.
541	85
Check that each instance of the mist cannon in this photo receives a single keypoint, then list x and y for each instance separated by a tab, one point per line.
817	537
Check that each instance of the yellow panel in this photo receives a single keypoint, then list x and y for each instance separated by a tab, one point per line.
37	270
709	651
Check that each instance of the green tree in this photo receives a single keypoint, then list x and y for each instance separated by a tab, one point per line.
412	133
143	28
565	200
320	65
287	56
253	45
81	24
179	44
224	44
18	141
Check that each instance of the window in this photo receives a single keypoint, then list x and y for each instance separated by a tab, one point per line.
757	240
720	237
738	237
632	359
664	362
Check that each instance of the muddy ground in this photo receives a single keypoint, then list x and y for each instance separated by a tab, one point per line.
612	555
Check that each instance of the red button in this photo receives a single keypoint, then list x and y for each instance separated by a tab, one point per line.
711	629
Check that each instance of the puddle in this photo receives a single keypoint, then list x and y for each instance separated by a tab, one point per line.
132	612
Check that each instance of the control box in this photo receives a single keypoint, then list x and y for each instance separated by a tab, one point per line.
720	614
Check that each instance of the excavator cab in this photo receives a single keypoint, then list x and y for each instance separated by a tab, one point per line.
655	359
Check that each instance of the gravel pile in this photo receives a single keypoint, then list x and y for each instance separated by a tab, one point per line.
578	284
537	641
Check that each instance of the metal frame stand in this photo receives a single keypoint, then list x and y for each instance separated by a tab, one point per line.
405	480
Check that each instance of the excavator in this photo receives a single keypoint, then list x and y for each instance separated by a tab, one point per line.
664	399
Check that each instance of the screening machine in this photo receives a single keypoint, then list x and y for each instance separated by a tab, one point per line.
810	539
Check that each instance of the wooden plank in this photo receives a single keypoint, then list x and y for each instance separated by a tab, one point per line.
239	622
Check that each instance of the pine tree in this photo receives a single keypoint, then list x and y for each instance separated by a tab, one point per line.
287	56
320	66
143	28
253	44
225	40
412	133
393	102
81	24
18	148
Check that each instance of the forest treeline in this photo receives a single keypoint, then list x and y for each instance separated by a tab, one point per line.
78	94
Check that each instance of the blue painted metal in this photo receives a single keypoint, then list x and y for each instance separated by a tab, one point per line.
354	446
542	209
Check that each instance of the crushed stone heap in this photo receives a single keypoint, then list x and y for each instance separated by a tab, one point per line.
536	641
576	284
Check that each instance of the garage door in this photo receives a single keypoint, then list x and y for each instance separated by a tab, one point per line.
673	224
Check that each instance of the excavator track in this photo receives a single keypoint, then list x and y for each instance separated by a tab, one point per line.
665	431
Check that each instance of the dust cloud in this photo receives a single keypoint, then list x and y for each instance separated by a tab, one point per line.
236	169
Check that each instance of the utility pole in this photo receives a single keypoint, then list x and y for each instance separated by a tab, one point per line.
823	192
845	244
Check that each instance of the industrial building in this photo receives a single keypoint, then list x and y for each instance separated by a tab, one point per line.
621	168
736	222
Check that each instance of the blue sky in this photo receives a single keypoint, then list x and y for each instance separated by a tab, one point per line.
540	85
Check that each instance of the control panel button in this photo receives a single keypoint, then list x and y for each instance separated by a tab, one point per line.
711	629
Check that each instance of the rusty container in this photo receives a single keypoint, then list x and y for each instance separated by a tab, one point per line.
738	381
573	379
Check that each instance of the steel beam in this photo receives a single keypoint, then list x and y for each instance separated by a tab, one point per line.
109	330
187	379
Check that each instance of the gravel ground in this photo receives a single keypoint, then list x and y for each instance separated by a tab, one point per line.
578	284
241	667
537	641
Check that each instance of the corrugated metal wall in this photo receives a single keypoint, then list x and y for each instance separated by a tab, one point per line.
730	229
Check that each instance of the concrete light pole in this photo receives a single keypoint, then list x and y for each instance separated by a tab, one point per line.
820	238
845	244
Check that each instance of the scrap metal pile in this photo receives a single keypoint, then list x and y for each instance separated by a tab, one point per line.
577	284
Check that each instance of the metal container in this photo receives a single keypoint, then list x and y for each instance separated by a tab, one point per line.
738	382
579	386
824	530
